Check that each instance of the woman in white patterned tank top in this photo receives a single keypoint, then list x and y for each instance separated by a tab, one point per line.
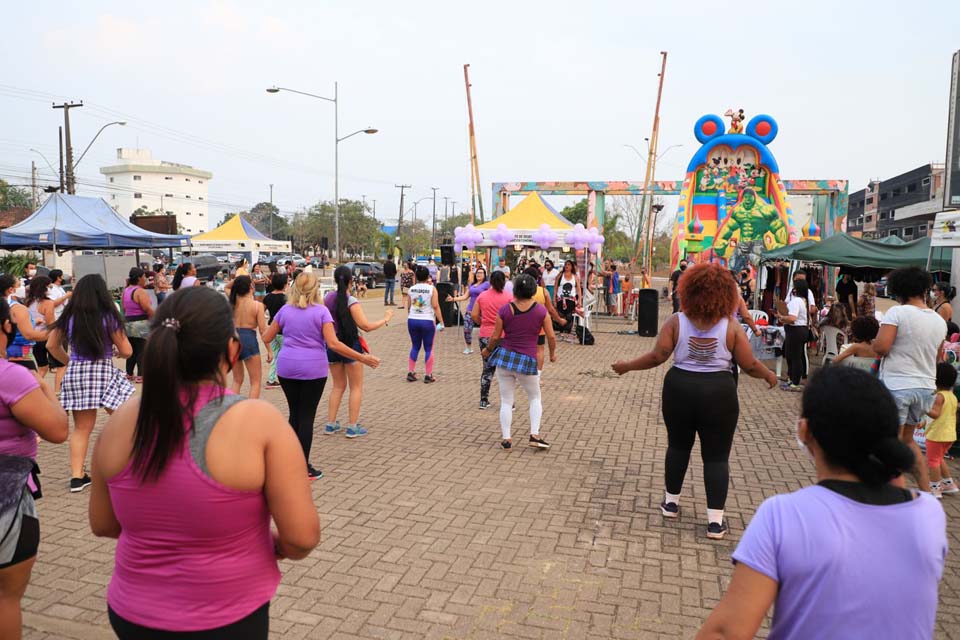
699	392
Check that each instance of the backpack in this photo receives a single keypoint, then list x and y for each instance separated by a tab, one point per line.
584	336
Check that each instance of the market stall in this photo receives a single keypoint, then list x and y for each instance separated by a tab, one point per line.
239	236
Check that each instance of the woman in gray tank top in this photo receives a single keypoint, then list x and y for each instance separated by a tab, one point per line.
699	392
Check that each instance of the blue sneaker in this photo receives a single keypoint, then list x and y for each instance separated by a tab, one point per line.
331	428
355	431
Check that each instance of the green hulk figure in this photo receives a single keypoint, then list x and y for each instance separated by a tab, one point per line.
754	218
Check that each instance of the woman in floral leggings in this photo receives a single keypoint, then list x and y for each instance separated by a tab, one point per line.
484	314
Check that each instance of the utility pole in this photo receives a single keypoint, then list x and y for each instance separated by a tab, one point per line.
33	184
62	184
433	229
651	160
402	187
446	200
364	198
271	211
475	189
71	178
374	208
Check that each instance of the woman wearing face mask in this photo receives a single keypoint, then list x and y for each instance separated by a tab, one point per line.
28	408
20	347
41	308
188	478
854	538
943	294
137	311
549	277
699	396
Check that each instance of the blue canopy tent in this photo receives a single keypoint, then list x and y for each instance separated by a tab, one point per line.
66	222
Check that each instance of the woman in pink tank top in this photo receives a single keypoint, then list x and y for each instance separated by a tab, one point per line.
189	487
699	395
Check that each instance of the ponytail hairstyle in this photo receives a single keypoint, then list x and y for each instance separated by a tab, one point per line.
189	340
305	291
854	419
800	289
242	285
182	270
498	281
37	290
88	322
278	281
346	327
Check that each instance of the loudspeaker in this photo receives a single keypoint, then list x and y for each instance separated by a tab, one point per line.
446	255
448	310
647	307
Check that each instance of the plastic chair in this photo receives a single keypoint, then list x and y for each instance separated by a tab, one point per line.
756	314
588	307
831	339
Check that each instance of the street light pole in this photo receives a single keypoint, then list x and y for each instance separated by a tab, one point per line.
271	211
433	229
336	152
119	122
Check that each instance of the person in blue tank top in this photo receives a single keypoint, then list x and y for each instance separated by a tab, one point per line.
699	391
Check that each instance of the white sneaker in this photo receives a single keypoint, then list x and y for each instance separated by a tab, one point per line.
467	351
935	490
949	486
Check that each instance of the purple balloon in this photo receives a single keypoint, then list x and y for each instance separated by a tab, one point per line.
545	237
502	235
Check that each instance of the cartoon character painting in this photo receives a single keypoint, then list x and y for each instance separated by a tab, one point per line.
732	204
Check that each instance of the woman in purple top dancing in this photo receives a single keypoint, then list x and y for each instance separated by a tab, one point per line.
699	392
471	293
515	356
188	478
854	556
302	365
28	408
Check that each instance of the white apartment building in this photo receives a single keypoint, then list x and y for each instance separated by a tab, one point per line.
138	181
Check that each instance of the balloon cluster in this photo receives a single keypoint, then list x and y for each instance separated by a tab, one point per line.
594	240
468	236
581	238
577	237
545	237
502	235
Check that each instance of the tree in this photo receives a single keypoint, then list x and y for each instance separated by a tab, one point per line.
445	228
414	238
261	216
142	211
11	197
576	213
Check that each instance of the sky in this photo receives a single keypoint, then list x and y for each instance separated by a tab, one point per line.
859	89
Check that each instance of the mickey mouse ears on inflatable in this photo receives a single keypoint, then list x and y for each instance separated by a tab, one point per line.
762	127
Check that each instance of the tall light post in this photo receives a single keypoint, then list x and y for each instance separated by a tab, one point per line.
433	228
336	152
118	122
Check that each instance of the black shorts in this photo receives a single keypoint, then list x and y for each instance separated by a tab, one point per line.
255	626
27	543
43	357
542	340
26	364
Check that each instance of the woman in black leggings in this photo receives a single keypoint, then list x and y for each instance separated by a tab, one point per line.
797	332
699	391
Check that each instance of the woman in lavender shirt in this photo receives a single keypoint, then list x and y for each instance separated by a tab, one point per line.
479	285
854	556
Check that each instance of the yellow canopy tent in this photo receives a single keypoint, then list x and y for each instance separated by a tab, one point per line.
236	234
525	219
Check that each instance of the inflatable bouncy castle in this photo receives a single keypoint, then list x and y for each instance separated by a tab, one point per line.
733	204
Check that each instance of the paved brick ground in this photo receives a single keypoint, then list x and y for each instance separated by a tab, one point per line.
431	531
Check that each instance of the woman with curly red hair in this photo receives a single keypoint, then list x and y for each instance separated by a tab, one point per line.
699	392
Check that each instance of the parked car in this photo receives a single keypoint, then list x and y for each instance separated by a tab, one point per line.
208	266
882	288
372	271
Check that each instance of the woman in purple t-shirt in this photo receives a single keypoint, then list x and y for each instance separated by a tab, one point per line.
302	367
471	293
515	356
27	408
854	556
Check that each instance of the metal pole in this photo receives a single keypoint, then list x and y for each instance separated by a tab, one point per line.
336	171
33	184
433	230
271	211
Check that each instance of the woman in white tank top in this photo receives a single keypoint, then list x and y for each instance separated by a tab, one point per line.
423	310
699	397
